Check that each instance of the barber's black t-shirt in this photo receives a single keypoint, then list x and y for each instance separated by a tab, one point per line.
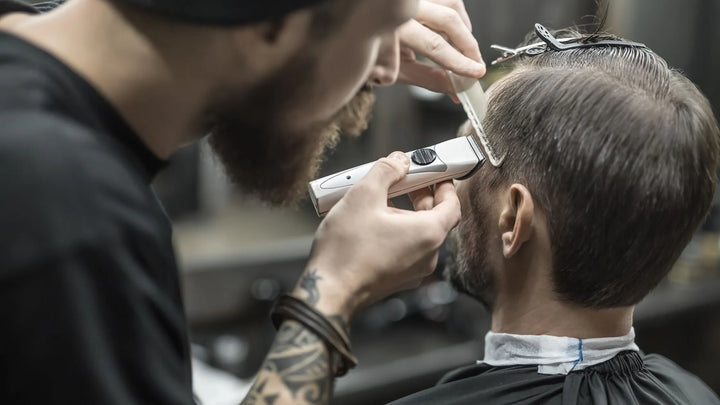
90	305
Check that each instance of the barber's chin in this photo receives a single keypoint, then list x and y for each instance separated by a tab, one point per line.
275	161
275	166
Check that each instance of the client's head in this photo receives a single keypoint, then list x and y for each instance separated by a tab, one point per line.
610	169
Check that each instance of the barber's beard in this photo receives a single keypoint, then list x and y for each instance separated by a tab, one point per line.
265	156
467	268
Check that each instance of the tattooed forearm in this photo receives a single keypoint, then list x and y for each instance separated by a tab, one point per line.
308	284
299	369
296	371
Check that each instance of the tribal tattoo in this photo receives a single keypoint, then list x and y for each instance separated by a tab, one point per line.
308	283
295	371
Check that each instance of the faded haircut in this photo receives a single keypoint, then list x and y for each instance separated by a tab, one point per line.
619	151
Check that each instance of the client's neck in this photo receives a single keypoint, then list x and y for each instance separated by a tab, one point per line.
557	319
533	308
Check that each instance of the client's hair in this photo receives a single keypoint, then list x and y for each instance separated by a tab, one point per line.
619	151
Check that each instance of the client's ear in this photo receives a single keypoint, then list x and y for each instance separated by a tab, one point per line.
516	219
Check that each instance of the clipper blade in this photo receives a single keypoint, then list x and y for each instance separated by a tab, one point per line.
474	102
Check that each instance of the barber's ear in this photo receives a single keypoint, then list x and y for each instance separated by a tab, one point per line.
279	30
269	44
516	219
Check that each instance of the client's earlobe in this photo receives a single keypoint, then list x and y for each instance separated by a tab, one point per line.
516	219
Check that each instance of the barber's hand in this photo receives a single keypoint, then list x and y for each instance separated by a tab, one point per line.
423	35
365	249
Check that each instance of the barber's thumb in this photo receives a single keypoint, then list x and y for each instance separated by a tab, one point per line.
389	170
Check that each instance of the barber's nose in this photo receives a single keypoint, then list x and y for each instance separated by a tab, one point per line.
387	65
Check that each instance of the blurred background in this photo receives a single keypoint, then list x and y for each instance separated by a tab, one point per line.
238	255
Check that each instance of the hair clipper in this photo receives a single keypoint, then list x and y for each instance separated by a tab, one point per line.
452	159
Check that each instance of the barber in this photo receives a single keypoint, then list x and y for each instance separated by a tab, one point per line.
97	94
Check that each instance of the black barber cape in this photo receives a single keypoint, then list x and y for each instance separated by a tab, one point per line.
90	305
628	378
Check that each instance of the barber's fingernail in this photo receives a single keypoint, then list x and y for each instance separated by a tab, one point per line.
401	157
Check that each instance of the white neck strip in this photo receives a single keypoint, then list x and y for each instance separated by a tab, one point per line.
553	354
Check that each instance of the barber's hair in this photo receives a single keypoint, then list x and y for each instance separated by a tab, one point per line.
619	151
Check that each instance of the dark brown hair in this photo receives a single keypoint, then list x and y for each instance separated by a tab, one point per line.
619	151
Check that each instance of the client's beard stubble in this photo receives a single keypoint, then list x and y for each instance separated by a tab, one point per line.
275	164
467	268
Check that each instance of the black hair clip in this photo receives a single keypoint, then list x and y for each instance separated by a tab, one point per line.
554	44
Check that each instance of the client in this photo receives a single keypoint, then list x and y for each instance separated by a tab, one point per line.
610	167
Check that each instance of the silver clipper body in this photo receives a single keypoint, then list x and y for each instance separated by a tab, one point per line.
452	159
